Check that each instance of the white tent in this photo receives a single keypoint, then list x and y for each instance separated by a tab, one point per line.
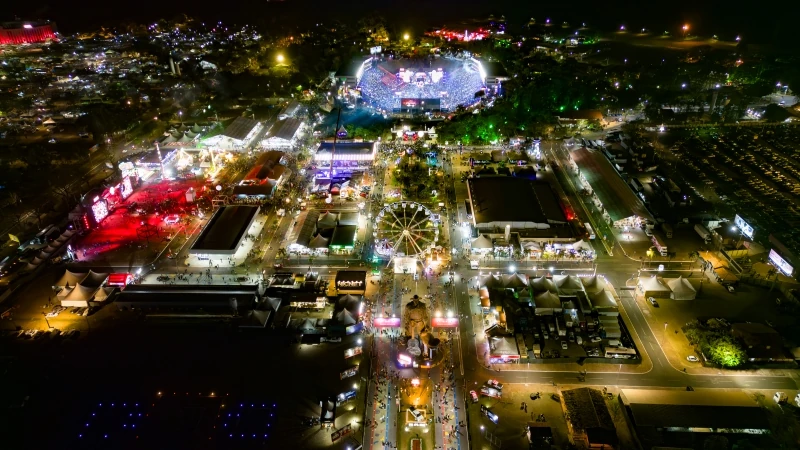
70	279
682	289
594	284
80	296
567	284
542	284
482	242
654	287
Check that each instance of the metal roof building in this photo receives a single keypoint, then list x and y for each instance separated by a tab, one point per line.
709	410
618	200
225	231
518	202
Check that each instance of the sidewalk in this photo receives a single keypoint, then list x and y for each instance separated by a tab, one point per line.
448	413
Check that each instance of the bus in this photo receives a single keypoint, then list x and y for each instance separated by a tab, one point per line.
589	230
620	353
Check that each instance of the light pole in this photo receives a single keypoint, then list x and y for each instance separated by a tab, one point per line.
46	321
685	29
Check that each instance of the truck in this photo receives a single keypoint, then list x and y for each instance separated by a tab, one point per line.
703	232
667	228
658	244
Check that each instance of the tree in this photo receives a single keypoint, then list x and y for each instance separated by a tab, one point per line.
724	350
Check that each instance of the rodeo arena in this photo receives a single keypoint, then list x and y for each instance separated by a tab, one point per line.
428	85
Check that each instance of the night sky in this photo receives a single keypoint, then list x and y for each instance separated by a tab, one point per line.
759	22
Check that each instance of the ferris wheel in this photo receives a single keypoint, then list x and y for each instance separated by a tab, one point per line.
404	229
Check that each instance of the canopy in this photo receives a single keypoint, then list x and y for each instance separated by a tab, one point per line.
168	140
81	293
583	245
547	300
345	318
94	279
70	279
327	220
682	289
490	281
543	284
594	284
482	242
318	241
654	287
568	283
103	293
515	281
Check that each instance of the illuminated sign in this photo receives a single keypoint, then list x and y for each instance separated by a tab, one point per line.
127	189
341	432
745	227
444	322
351	372
100	210
349	284
386	322
780	263
409	102
119	279
343	397
350	352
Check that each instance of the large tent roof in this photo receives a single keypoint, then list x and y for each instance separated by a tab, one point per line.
682	289
546	299
94	279
654	284
568	283
327	220
594	284
542	284
482	242
318	241
515	280
80	292
70	278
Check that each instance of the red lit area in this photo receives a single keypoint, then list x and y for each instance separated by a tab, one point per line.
27	34
138	222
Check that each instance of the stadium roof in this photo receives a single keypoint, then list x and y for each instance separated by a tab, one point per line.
512	199
614	193
694	409
225	230
240	128
286	129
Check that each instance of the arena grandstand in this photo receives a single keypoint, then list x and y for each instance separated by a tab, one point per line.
417	85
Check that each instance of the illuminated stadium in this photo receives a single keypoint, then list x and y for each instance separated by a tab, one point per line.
421	85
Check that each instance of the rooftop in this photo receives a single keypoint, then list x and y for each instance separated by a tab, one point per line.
614	193
240	128
225	230
512	199
709	408
286	129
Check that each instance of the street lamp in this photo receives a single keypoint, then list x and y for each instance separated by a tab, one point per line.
280	58
406	37
685	29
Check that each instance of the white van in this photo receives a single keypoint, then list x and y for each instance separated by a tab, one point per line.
473	264
578	340
614	343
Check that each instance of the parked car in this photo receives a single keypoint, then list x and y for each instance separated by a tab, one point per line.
579	340
595	339
652	301
564	345
780	397
172	219
474	396
495	384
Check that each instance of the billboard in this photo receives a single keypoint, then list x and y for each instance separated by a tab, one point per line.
350	352
341	432
386	322
747	230
409	103
351	372
444	322
780	263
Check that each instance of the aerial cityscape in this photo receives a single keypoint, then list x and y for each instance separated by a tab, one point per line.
325	226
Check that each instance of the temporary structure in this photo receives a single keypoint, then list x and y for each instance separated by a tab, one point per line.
682	289
482	243
654	287
567	284
70	279
543	284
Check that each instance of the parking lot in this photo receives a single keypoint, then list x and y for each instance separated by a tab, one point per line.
753	173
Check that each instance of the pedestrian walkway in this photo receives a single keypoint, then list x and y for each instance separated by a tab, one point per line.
382	410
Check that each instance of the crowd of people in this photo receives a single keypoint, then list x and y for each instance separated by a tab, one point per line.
457	87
